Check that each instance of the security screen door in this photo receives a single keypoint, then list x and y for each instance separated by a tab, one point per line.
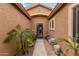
39	30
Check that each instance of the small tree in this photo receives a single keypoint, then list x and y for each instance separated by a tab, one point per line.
23	38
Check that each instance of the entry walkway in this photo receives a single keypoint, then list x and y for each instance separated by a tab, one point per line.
42	48
39	49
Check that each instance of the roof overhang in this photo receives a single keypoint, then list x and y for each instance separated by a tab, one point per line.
43	13
22	9
43	5
57	7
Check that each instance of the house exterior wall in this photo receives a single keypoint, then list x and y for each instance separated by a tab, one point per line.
63	20
39	14
9	18
39	10
61	23
37	20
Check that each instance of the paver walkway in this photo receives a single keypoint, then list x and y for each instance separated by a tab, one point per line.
39	49
43	48
49	49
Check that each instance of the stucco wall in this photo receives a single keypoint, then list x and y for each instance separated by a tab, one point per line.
39	10
9	18
40	19
39	15
61	23
61	28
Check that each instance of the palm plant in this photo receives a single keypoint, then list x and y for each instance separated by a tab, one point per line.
57	47
28	37
24	38
73	45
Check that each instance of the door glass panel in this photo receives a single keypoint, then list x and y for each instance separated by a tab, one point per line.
74	22
40	31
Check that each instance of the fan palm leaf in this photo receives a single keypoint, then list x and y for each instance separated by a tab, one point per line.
12	34
23	38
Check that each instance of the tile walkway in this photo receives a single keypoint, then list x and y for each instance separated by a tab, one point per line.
49	49
39	49
42	48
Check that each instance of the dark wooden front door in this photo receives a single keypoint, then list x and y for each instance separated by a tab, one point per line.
40	31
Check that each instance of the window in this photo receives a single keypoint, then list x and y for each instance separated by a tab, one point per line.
76	23
52	24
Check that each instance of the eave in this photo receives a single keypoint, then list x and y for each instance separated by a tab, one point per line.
57	7
33	6
22	9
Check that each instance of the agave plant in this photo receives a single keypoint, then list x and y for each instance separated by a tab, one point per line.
24	38
73	44
57	47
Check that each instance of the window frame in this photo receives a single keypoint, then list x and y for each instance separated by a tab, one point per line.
76	18
70	19
50	24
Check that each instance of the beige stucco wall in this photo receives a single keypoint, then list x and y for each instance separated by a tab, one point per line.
9	18
39	14
61	28
39	10
61	23
40	19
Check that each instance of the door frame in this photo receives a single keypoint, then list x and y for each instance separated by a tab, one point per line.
37	28
70	19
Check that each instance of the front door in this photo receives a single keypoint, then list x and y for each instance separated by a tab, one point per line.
40	31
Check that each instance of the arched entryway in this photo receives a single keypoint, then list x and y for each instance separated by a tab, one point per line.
40	25
39	19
